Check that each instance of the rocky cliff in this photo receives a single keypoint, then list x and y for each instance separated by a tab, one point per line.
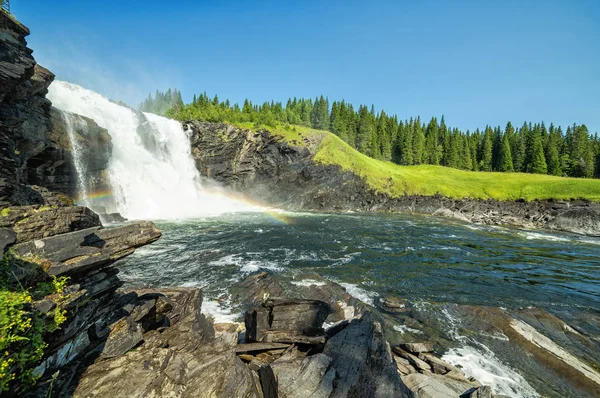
272	171
35	150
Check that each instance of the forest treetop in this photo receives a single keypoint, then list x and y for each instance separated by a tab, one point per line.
528	147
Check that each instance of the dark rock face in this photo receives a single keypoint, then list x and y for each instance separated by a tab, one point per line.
287	321
34	144
269	170
182	360
35	222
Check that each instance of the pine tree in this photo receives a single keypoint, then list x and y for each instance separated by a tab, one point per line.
538	160
485	162
505	162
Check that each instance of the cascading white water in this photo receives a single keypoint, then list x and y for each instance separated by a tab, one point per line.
71	121
151	170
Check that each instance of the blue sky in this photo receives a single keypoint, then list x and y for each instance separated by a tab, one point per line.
476	62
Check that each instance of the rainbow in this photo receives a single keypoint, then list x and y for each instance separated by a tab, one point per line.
98	195
276	214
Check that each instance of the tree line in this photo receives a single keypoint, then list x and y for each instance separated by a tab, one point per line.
530	148
161	103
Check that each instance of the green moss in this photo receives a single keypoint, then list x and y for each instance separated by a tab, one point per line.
5	212
428	180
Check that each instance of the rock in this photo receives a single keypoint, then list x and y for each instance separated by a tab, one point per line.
478	392
253	347
268	381
185	361
124	335
304	377
416	348
288	321
413	360
7	238
437	365
404	366
434	386
88	249
363	362
37	222
112	218
396	305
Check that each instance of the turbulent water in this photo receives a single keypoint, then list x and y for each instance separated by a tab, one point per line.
431	261
151	170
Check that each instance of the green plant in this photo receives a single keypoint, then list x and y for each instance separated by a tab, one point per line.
23	327
5	212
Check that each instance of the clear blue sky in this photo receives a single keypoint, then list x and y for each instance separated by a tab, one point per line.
476	62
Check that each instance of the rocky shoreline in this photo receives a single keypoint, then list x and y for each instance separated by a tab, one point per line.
269	170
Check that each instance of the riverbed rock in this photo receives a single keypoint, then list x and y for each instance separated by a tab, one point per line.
87	249
478	392
287	321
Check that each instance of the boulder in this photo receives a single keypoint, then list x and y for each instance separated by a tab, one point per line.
304	377
88	249
37	222
363	361
417	348
7	238
478	392
287	321
434	386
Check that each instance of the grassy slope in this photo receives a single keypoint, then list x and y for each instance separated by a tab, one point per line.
428	180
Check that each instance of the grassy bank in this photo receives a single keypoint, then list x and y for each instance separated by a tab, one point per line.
397	180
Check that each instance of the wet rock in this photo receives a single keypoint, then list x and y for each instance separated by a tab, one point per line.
88	249
112	218
417	348
419	364
287	320
396	305
478	392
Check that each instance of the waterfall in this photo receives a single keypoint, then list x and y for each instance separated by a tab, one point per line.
71	122
151	170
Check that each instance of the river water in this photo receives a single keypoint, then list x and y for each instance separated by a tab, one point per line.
431	261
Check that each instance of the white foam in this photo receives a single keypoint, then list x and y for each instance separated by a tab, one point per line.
308	283
405	329
489	370
359	293
219	311
536	235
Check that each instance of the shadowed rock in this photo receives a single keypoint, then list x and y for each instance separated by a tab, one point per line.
87	249
287	321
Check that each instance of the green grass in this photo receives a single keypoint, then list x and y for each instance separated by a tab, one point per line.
428	180
293	134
